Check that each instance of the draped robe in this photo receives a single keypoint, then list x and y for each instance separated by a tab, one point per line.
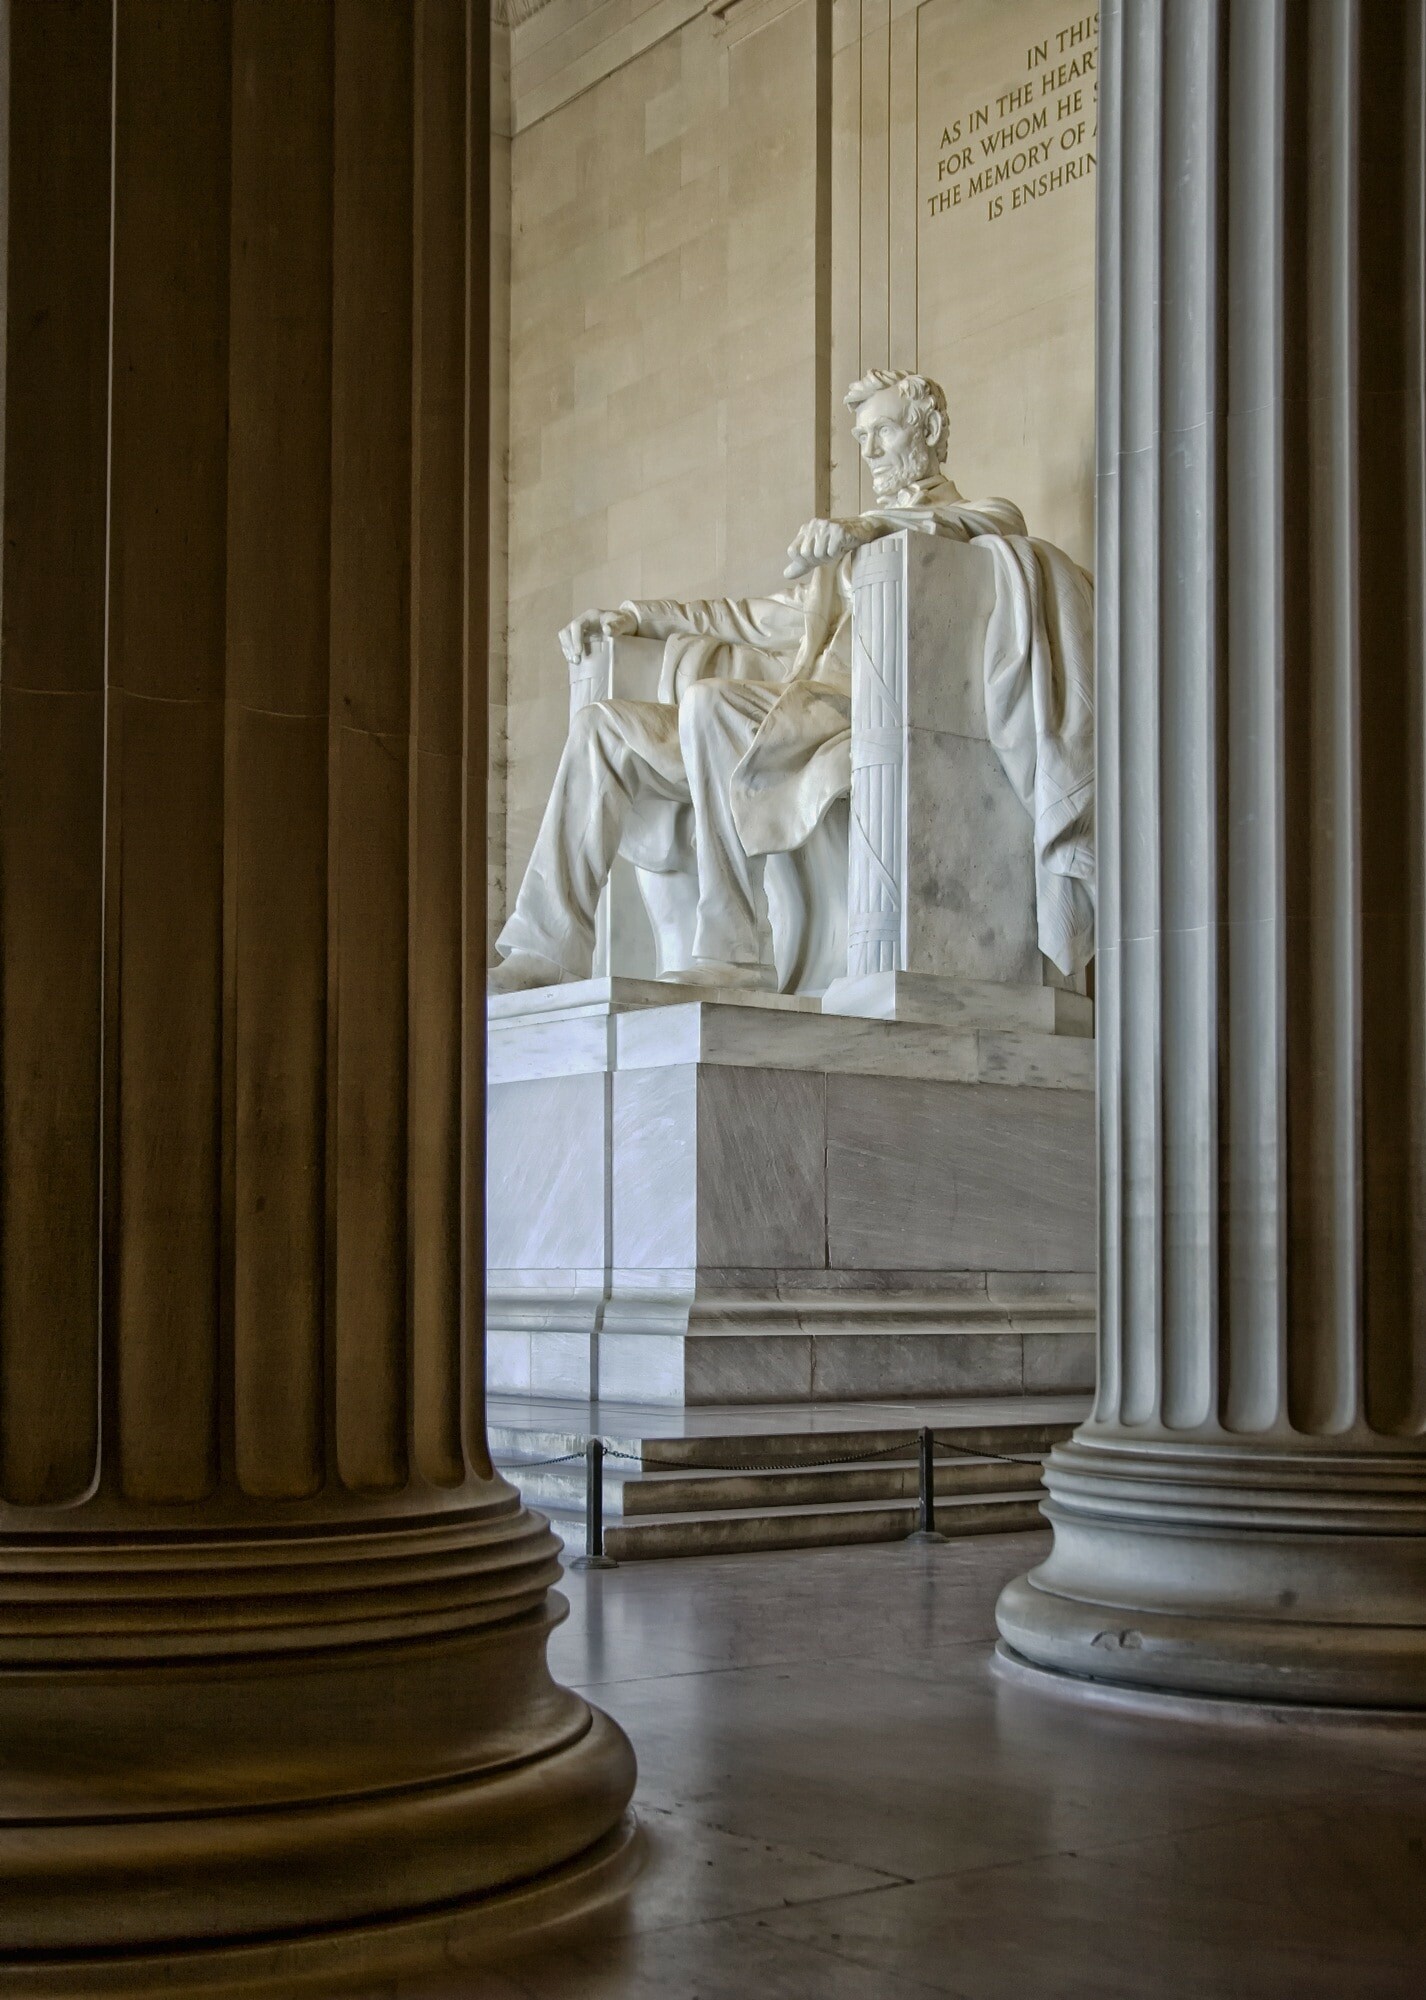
1039	701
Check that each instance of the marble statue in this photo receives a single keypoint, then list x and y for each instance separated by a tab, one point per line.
748	747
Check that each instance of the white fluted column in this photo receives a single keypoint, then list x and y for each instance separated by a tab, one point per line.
1245	1513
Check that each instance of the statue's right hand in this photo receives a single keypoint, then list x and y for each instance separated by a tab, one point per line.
576	636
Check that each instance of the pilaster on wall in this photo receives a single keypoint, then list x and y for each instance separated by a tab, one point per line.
874	321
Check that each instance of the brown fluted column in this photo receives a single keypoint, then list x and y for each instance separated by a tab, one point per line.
272	1634
1245	1513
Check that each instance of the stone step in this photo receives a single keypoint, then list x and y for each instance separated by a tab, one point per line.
804	1447
830	1524
509	1442
631	1491
781	1489
729	1451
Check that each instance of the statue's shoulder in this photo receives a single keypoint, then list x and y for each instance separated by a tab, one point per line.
990	517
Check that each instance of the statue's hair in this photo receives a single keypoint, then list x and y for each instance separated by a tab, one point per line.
922	396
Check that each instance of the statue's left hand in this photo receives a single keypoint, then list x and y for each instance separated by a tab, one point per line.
578	635
822	542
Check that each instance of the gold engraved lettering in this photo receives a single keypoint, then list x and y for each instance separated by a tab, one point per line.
1007	142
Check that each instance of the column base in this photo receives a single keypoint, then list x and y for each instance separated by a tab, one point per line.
1221	1711
1282	1576
445	1939
290	1739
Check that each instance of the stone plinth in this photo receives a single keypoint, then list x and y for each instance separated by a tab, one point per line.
710	1202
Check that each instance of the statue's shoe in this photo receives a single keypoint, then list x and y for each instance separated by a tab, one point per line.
716	972
525	972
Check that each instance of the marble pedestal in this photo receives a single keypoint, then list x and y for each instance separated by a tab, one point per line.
747	1200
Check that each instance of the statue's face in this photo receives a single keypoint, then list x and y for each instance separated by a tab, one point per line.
895	443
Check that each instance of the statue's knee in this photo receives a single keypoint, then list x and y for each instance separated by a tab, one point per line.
586	723
700	704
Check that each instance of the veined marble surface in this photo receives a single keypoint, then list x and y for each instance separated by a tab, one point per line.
605	1032
962	1003
714	1203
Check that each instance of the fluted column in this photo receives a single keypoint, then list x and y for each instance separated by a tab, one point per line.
272	1633
1245	1513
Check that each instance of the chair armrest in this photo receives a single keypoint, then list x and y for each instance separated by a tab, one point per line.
616	669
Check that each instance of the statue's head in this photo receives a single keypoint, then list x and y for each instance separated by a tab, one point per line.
899	422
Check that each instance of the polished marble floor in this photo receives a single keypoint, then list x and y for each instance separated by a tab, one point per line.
844	1800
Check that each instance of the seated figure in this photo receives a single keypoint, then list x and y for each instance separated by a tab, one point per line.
751	731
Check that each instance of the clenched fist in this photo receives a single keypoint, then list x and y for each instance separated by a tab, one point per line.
822	542
576	636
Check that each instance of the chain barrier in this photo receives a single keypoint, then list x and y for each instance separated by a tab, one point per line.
597	1449
770	1464
535	1464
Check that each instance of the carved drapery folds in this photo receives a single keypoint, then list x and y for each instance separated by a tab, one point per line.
1251	1491
877	838
241	925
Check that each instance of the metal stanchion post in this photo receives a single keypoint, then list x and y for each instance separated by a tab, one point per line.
926	1453
594	1556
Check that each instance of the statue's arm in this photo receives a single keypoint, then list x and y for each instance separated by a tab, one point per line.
831	541
827	541
769	622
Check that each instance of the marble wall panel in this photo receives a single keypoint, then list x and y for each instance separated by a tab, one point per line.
940	1176
655	1175
762	1140
731	1368
642	1367
978	1363
545	1173
1057	1360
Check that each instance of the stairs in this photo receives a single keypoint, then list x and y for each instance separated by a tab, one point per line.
714	1495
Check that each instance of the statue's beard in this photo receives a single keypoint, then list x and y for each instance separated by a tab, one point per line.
903	469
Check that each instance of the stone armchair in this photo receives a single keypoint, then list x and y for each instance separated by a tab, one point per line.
922	883
646	919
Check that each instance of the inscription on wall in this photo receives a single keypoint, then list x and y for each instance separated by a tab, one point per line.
1026	142
1004	261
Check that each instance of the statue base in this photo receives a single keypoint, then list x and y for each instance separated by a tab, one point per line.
750	1200
961	1003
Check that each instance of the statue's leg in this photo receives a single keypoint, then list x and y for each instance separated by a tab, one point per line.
717	721
616	753
670	899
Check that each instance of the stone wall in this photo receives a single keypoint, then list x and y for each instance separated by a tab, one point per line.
722	211
940	111
667	396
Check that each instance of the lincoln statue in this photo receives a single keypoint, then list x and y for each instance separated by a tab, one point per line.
752	725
